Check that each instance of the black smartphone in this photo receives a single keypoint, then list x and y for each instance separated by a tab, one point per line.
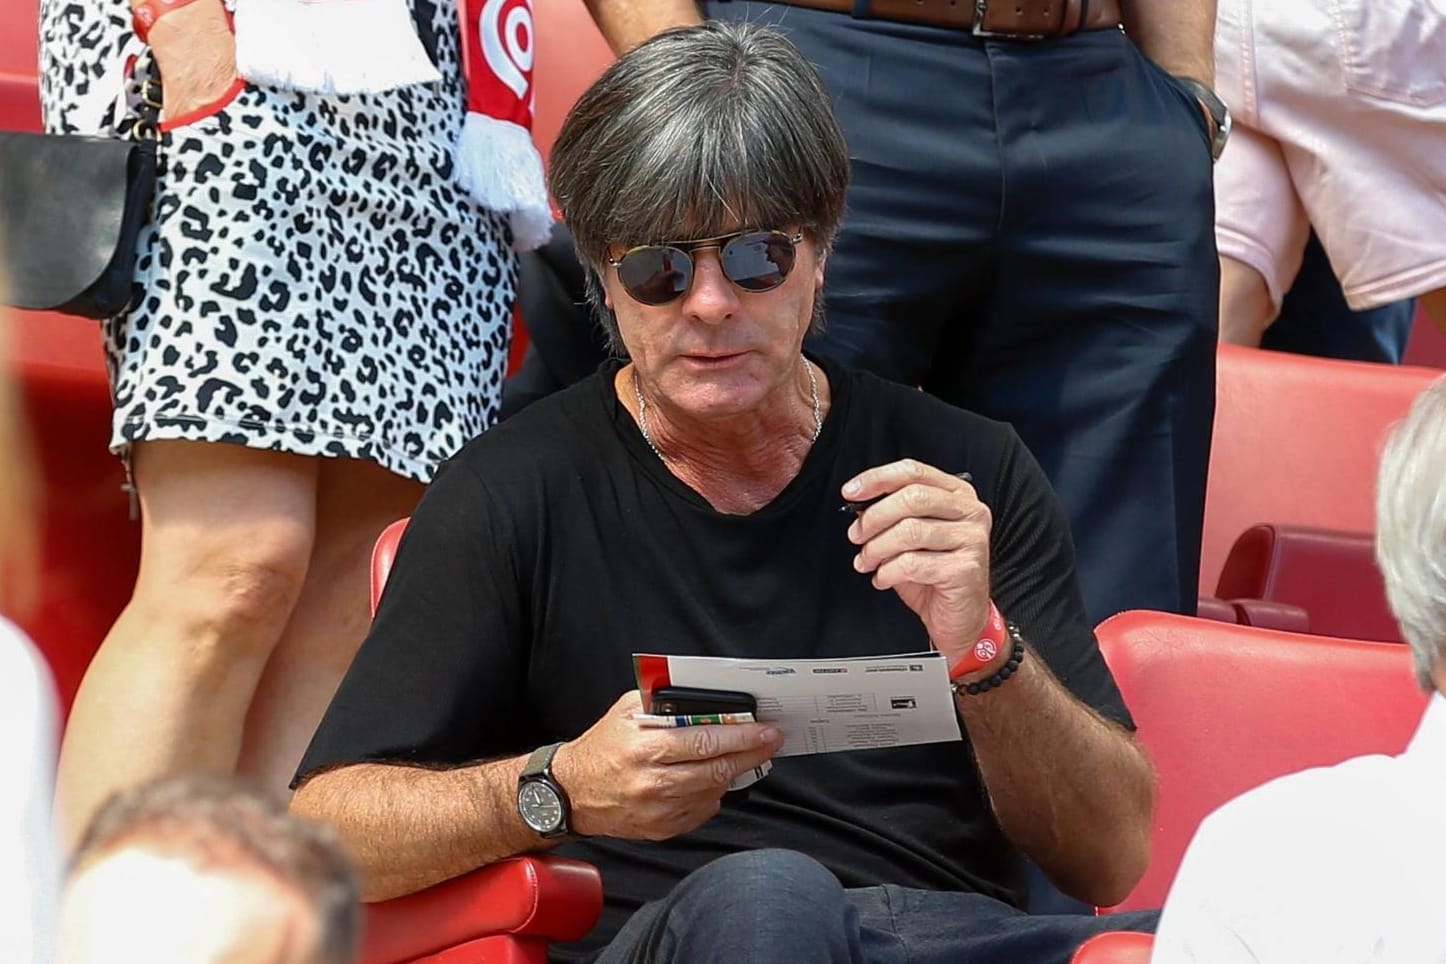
691	700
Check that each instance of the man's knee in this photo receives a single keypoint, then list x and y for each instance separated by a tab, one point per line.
765	898
774	874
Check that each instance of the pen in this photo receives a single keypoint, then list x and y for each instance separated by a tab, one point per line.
857	508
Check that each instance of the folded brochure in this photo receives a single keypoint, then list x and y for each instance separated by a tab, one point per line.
826	705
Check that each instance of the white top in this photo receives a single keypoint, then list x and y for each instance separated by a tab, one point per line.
29	862
1336	864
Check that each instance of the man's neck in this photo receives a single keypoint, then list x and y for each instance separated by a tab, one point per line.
738	465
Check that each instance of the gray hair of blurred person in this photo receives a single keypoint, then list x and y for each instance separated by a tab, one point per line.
1411	528
215	823
695	133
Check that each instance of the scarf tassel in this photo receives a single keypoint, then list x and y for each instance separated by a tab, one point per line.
498	164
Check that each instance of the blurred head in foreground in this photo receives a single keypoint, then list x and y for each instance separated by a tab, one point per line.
201	870
1411	531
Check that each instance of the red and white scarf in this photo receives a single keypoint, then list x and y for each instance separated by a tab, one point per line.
367	46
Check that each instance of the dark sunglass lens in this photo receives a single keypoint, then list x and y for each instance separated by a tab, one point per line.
760	261
656	275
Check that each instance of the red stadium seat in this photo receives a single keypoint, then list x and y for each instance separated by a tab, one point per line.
1427	345
505	913
1223	708
1296	442
1330	576
1271	615
1115	947
89	547
19	101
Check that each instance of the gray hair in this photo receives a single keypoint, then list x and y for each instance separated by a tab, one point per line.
218	822
695	133
1411	528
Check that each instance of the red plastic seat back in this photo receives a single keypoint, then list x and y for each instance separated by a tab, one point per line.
1329	574
1297	440
1223	708
1115	947
384	553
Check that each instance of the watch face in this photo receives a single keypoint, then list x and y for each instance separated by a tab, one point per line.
540	806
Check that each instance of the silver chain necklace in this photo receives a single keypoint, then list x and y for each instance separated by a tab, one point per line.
643	409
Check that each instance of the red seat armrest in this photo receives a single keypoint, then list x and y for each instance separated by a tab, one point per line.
549	897
1271	615
1115	947
1213	607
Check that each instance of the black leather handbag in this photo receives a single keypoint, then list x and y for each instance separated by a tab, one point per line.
71	208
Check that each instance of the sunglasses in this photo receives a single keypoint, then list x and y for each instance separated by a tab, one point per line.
656	274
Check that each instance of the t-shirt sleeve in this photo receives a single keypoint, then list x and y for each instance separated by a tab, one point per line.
436	682
1034	583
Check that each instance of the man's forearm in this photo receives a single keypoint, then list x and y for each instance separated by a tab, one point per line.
1073	791
1179	35
409	828
627	23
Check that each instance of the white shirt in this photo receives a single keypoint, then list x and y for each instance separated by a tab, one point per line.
1336	864
29	861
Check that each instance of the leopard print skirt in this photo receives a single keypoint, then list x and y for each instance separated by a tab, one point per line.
313	280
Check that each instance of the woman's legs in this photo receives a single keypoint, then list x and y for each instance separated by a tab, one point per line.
227	533
356	500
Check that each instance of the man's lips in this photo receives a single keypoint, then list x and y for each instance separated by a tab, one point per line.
706	357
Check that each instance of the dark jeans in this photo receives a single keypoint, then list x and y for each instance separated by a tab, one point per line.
1030	235
781	906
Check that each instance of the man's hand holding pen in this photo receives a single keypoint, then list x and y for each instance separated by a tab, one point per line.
924	534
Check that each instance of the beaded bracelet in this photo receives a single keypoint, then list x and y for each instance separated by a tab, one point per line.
1010	667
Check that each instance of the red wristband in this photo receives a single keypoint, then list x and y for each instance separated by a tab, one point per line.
145	13
984	651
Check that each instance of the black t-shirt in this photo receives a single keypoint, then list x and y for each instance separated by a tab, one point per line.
556	545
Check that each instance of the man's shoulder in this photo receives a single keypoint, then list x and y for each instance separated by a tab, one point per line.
1292	870
913	411
551	434
1300	806
1304	826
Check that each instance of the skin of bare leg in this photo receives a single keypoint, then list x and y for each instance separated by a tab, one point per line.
1435	304
1245	308
356	500
226	537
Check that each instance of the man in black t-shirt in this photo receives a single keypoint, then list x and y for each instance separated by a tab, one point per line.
687	502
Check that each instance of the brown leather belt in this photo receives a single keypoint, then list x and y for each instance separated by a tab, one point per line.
1012	19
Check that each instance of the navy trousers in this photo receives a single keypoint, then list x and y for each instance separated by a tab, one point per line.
781	907
1030	235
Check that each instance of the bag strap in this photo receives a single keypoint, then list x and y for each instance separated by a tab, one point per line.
144	120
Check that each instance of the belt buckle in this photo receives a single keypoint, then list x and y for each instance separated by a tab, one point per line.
981	8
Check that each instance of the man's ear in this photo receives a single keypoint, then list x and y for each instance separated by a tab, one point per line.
818	269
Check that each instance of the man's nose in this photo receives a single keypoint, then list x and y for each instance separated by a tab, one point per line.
711	298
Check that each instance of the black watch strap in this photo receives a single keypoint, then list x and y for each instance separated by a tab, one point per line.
539	762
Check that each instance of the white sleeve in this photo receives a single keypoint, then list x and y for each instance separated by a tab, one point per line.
29	855
1210	915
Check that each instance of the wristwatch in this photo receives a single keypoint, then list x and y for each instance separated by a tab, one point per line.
1219	113
541	801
